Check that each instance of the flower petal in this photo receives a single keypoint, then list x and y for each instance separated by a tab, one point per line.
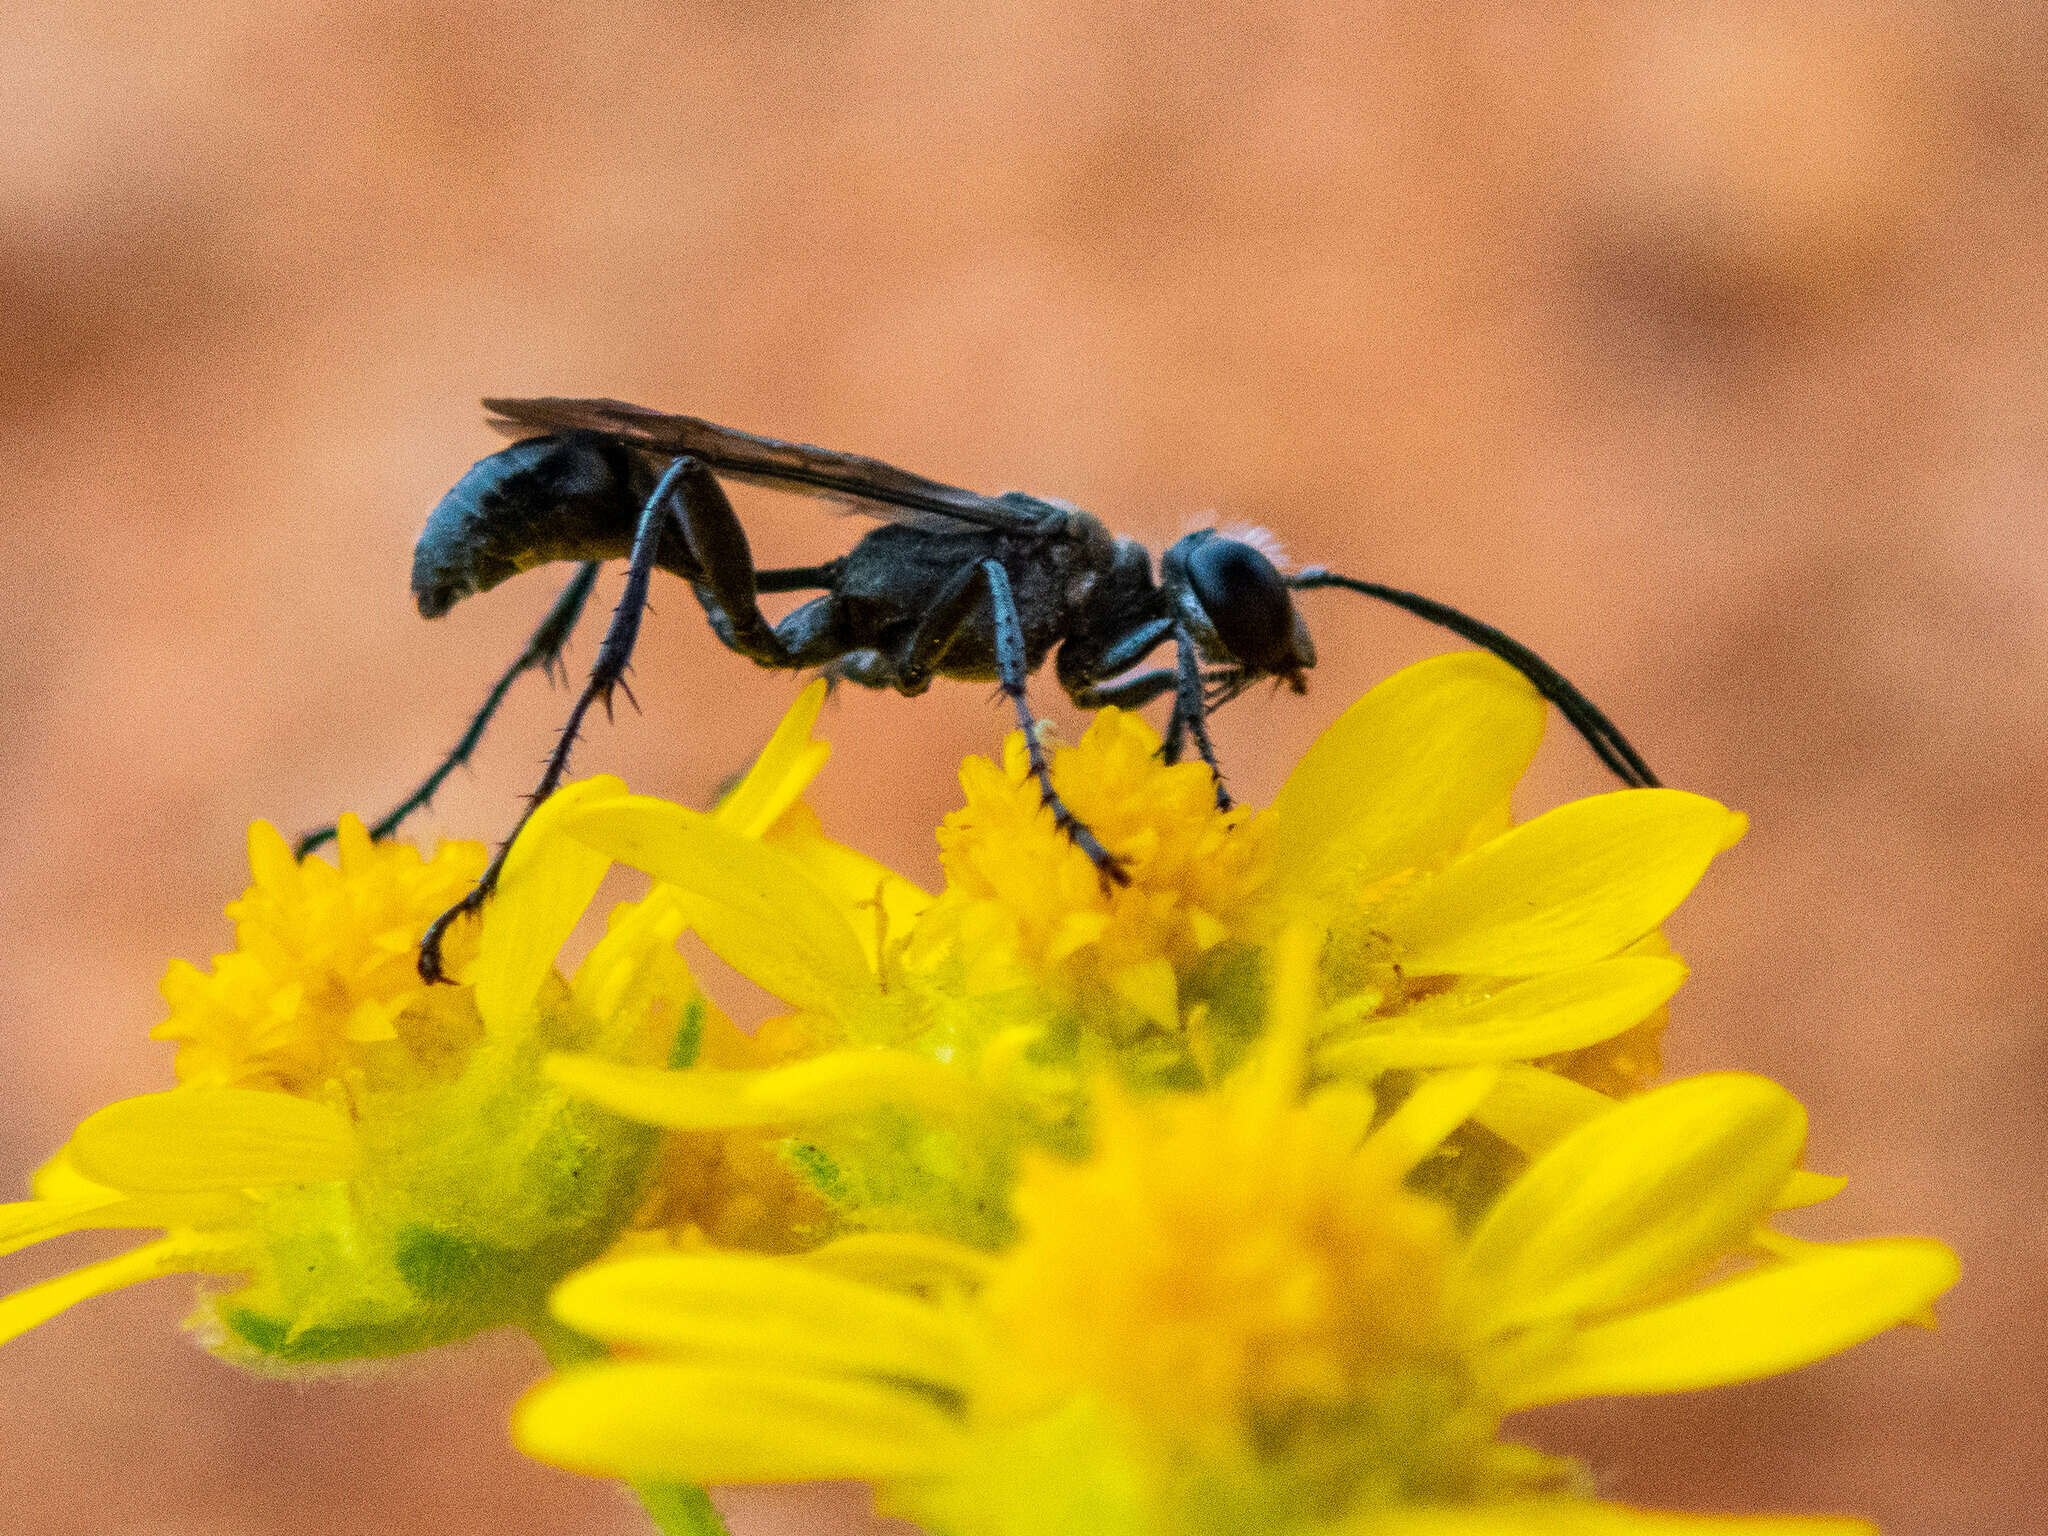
1559	1012
782	772
1646	1192
28	1222
37	1304
837	1083
736	1310
1583	1517
1760	1324
547	882
751	903
655	1421
907	1261
25	1223
1152	987
880	904
1442	1103
1574	885
1803	1188
214	1139
1405	772
1533	1109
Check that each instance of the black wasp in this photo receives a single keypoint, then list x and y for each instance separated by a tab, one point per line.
953	584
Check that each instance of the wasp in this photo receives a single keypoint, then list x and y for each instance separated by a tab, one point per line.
952	583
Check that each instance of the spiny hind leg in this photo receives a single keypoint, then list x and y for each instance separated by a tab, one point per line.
543	654
606	675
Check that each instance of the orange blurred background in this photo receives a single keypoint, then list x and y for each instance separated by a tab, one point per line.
1704	347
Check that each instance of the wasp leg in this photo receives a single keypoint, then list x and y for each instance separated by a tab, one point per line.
605	676
928	647
1122	654
543	653
798	578
1191	712
729	587
1128	693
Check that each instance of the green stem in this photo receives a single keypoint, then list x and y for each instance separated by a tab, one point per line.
677	1509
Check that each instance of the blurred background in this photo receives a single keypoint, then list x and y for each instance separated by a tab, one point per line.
1704	347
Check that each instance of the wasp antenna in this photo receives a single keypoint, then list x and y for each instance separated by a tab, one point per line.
1585	717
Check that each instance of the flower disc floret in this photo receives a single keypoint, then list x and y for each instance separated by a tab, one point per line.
1023	901
1212	1268
324	963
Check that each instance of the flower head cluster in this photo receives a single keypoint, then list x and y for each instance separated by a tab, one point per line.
371	1163
1234	1314
1251	1195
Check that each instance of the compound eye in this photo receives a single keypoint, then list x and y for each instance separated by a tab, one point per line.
1246	600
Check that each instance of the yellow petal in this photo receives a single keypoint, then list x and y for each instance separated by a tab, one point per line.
751	903
271	864
1583	1517
1572	886
1559	1012
214	1139
1206	929
653	1421
1666	1182
37	1304
1532	1109
1804	1189
837	1083
635	965
880	904
735	1310
547	883
1442	1103
782	772
1076	931
59	1179
1775	1319
907	1261
29	1222
1272	1076
1404	772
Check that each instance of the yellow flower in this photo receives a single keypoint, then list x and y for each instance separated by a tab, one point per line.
1023	905
1452	938
949	1034
1235	1316
380	1163
323	969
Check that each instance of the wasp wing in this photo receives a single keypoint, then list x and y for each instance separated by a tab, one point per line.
864	484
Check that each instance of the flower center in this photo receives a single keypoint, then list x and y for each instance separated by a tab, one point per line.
323	969
1240	1284
1023	903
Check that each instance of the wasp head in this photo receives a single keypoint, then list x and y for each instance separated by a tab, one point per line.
1243	602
